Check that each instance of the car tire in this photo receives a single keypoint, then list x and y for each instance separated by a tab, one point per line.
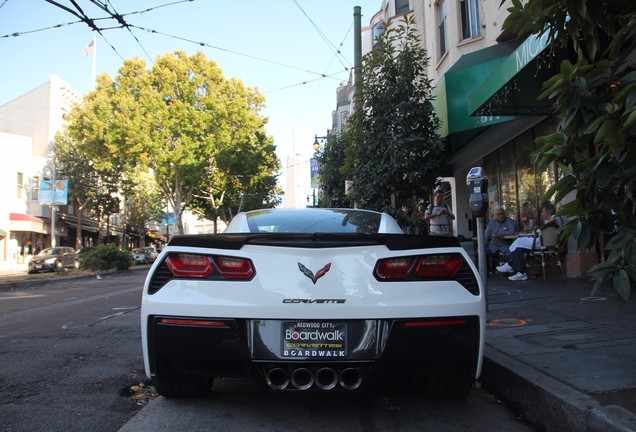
188	387
443	386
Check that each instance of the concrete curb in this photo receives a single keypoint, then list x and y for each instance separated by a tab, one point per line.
548	403
7	285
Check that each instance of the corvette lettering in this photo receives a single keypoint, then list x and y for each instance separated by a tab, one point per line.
319	301
314	345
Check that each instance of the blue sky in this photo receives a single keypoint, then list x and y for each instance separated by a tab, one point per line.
274	45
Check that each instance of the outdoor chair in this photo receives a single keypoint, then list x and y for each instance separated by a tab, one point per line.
547	249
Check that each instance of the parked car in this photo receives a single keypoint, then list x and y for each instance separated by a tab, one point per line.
318	300
143	255
54	259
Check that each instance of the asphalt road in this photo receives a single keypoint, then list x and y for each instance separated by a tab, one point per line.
68	351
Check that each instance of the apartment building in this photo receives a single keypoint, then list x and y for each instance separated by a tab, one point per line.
28	125
486	84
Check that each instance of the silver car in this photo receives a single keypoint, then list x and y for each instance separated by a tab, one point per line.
143	255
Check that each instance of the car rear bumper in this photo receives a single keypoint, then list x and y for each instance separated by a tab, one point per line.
352	355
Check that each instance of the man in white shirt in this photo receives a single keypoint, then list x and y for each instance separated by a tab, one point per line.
439	216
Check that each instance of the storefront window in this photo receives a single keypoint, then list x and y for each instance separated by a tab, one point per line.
491	166
514	183
547	178
526	183
508	188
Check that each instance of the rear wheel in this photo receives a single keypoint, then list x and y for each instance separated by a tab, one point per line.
188	387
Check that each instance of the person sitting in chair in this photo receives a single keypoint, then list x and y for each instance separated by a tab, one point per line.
498	228
517	260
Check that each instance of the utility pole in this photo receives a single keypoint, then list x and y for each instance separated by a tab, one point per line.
357	48
53	242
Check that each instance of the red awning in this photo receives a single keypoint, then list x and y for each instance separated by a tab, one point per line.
24	217
27	223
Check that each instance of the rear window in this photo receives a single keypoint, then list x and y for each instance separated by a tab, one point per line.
315	220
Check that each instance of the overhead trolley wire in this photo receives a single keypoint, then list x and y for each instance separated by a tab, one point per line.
207	45
120	19
331	46
122	23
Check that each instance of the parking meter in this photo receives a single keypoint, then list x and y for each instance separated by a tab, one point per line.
477	182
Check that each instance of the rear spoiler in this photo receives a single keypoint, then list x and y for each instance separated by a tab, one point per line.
236	241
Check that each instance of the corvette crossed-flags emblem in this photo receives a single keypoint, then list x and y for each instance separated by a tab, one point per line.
320	273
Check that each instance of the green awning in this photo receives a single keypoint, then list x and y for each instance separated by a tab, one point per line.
512	88
458	83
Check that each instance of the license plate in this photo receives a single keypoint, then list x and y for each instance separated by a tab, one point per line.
314	339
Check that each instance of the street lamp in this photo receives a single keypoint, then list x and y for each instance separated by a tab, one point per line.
317	143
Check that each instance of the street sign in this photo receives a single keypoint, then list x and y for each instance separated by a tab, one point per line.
314	171
54	194
168	218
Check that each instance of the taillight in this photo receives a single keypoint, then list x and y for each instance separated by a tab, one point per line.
439	266
394	268
444	266
203	266
189	265
234	268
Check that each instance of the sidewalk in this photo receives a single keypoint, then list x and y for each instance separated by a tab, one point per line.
563	359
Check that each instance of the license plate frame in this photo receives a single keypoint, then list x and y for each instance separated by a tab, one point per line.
313	339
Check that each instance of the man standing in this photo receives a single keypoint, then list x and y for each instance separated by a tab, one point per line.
497	229
439	215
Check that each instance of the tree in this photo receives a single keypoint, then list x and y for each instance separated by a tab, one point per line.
172	120
90	189
395	153
594	97
332	175
240	177
143	199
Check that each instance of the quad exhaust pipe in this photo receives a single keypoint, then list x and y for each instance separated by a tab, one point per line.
277	378
301	378
350	378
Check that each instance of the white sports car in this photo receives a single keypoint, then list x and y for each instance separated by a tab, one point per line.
313	299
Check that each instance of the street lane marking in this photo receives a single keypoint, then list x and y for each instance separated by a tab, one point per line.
18	297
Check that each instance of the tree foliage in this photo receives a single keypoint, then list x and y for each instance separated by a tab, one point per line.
176	120
143	200
594	97
332	172
89	188
394	151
